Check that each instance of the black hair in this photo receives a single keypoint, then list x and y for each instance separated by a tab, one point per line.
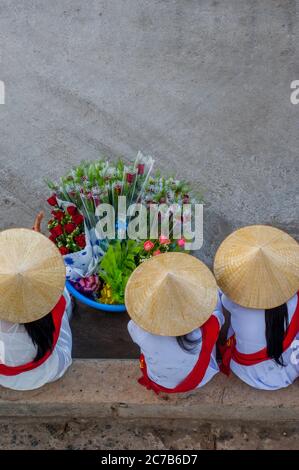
41	333
188	344
276	320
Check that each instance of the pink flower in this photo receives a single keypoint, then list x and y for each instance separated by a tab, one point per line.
181	242
88	285
156	253
164	240
148	245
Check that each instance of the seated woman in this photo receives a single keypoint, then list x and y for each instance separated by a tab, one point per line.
176	316
35	336
257	268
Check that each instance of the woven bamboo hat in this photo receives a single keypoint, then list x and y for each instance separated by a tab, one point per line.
171	294
32	275
258	267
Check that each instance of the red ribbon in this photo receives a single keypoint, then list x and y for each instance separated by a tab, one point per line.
210	332
57	314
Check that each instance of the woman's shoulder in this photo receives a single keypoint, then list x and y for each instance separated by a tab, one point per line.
147	340
136	332
235	308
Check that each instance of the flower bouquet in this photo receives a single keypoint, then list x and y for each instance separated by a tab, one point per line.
98	265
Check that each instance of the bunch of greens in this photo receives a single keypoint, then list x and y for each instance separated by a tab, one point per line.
116	266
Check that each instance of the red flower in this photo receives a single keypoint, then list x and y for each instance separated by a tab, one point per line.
80	240
52	238
71	210
140	168
64	250
77	219
58	215
69	228
52	200
148	245
56	231
130	177
156	253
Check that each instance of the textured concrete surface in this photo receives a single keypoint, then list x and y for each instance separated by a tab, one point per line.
147	435
97	389
202	85
100	405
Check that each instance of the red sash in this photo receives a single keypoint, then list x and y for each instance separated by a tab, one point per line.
229	350
210	332
57	314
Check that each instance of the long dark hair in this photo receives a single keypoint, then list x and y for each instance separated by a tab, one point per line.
41	333
188	344
277	321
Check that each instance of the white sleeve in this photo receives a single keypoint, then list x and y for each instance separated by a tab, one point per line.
227	303
137	334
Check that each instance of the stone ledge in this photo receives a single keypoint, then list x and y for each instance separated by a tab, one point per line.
101	388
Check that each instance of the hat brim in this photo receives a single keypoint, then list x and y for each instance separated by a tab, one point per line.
258	267
171	294
32	275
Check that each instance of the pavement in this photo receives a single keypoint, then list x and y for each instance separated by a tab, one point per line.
99	404
146	435
202	86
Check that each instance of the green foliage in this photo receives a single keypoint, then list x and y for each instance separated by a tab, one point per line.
117	265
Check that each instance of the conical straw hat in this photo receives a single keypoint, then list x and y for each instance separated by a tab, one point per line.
32	275
171	294
258	267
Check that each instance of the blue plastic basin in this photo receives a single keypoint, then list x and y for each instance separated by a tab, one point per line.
92	303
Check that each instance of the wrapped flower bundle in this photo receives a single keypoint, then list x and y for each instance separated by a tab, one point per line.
66	228
99	268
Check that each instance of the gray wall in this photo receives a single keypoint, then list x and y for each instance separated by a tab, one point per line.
202	85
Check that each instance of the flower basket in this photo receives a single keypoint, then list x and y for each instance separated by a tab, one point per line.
99	265
92	303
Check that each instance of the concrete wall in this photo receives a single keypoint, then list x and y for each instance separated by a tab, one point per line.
202	85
